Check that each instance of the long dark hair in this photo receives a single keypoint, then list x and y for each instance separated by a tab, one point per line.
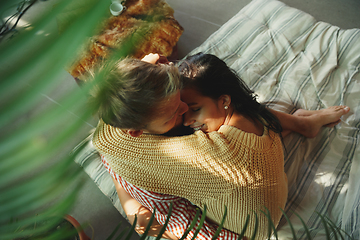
210	76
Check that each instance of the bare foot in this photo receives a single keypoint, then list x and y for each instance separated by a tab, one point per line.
312	121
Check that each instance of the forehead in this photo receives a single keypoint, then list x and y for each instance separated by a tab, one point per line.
189	95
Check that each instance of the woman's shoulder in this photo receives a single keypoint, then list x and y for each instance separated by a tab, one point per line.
237	138
246	124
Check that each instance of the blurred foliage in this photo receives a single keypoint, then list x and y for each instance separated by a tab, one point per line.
38	178
331	230
9	24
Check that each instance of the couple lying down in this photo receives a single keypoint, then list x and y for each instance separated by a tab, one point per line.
233	155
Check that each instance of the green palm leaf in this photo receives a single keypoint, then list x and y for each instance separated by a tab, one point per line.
35	168
192	225
218	230
308	235
38	178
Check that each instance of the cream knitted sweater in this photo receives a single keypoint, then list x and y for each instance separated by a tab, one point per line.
229	167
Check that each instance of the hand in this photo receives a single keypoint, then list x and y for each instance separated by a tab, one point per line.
155	58
132	207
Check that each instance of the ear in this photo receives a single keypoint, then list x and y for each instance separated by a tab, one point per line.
135	133
225	100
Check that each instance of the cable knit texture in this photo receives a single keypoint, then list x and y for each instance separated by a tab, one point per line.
230	167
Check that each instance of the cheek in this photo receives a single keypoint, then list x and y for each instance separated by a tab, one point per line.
216	120
211	115
179	121
173	123
203	116
198	117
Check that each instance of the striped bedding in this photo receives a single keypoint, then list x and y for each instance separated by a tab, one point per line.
293	61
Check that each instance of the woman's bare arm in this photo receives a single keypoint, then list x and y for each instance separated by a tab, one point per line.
133	207
309	123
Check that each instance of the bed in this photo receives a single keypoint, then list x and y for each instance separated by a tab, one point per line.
293	61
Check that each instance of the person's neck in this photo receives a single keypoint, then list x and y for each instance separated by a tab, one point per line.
246	124
229	116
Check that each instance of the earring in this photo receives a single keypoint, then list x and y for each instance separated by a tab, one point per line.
226	107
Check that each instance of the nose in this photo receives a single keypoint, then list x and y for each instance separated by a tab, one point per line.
188	120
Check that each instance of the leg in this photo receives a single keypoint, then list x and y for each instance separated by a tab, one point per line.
309	123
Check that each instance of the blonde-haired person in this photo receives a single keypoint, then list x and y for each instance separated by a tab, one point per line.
242	164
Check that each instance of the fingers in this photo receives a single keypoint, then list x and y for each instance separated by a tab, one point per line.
155	58
151	58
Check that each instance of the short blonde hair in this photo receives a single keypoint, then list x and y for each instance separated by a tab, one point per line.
129	94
